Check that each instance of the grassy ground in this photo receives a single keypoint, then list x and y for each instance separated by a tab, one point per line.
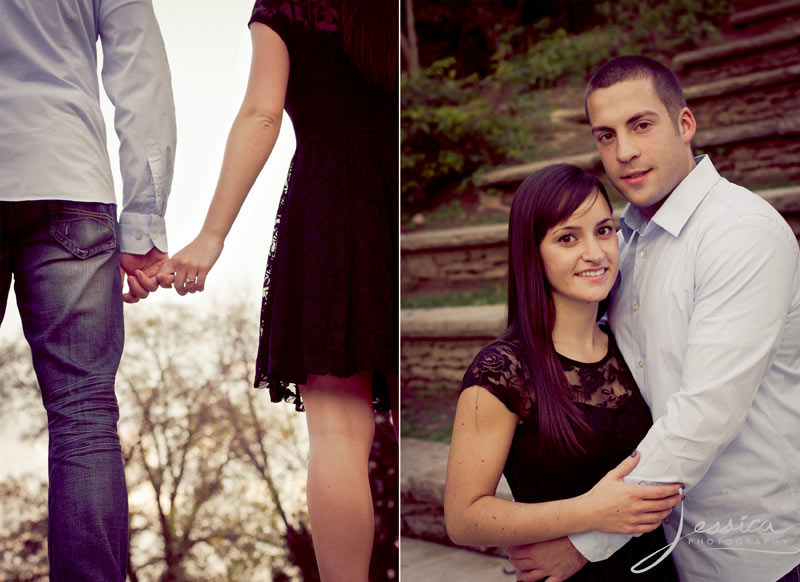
428	413
493	296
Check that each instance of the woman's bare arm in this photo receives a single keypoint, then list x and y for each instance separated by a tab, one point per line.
482	435
250	143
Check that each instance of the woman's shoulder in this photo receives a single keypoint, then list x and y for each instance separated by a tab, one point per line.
285	14
498	356
498	367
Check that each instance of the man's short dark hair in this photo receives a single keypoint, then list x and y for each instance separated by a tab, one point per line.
637	67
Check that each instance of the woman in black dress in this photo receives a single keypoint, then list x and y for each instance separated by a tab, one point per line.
329	335
551	403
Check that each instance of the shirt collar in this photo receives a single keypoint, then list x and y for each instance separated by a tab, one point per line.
679	205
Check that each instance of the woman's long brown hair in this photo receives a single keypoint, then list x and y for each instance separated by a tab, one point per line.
370	38
544	199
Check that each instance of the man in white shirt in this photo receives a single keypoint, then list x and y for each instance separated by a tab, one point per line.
61	243
707	315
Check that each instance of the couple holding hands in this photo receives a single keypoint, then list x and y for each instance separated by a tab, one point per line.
329	319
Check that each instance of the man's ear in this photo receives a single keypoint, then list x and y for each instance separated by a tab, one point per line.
686	124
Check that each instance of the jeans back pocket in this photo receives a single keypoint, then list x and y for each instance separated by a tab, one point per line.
83	228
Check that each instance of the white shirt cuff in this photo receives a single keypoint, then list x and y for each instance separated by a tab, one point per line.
138	233
596	546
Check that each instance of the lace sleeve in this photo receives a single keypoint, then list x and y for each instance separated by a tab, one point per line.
498	369
277	14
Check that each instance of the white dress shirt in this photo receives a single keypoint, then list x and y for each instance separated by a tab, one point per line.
52	134
707	316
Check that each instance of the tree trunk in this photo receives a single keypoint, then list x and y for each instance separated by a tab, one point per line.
408	41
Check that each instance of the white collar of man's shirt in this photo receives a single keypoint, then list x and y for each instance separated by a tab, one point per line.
679	205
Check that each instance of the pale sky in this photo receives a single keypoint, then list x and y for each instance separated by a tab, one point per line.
208	46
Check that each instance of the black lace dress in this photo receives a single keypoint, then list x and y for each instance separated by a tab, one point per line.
608	396
330	291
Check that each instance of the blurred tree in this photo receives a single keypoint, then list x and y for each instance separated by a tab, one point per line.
23	530
216	476
179	446
408	40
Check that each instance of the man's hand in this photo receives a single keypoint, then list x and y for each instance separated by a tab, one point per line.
140	271
551	561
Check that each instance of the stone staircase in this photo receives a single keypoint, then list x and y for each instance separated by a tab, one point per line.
745	94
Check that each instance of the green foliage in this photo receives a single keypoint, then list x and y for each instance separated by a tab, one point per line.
450	129
559	58
454	127
663	27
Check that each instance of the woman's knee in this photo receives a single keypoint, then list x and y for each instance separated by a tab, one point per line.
339	410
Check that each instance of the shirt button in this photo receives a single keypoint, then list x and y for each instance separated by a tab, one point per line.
641	364
153	236
609	550
138	236
635	307
643	254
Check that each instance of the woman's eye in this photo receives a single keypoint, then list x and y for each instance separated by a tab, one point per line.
605	230
566	239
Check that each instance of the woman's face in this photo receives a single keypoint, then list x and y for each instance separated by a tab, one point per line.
581	254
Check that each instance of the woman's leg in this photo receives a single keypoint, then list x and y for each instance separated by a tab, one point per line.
341	426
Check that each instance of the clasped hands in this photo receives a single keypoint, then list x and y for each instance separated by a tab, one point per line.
616	507
186	270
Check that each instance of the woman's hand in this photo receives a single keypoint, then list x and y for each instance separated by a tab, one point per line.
613	506
187	269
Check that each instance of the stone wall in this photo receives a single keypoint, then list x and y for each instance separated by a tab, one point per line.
763	52
747	105
441	362
437	345
764	161
455	268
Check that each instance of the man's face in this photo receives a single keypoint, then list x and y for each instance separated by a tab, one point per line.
644	155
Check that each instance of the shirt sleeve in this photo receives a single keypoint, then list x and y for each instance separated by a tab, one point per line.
136	77
743	289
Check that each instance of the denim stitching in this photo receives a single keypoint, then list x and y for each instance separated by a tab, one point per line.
61	215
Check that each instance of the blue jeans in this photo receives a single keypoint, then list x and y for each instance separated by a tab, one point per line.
64	259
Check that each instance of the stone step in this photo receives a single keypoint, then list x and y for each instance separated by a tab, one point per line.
515	174
728	101
762	52
422	561
422	479
437	345
776	10
778	160
474	321
756	130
